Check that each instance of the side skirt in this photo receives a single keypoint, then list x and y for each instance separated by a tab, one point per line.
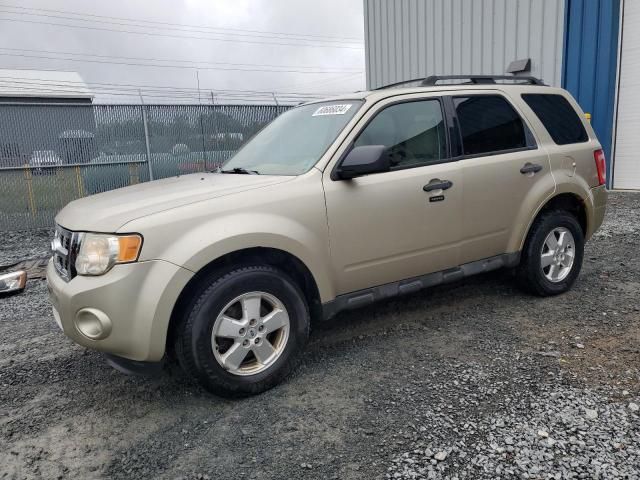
367	296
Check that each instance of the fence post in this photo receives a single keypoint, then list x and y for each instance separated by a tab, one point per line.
134	175
146	136
79	183
32	203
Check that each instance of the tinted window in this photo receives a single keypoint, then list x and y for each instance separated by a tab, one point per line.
558	117
489	124
413	132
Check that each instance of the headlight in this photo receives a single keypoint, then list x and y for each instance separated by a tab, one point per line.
99	252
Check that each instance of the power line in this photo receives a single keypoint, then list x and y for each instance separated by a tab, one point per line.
132	86
136	87
322	80
152	34
66	12
170	91
185	97
198	62
136	24
133	64
32	85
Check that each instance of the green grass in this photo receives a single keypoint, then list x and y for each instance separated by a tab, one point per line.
21	194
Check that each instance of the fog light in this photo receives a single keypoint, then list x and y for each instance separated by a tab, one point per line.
93	323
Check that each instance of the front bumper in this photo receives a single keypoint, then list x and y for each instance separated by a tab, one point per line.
125	312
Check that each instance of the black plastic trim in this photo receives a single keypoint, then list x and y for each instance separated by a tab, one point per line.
134	367
368	296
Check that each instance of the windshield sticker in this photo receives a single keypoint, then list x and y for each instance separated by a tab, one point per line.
332	110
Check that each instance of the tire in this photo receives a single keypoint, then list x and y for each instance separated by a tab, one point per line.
532	276
202	354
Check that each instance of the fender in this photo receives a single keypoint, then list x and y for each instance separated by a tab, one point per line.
577	187
241	231
536	198
195	235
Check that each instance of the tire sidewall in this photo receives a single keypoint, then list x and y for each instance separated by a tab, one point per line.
545	227
210	305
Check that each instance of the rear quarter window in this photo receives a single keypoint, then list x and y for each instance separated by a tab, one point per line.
558	117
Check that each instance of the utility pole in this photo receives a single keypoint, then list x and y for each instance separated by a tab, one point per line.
198	80
204	148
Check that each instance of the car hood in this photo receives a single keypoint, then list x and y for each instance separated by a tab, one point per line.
108	211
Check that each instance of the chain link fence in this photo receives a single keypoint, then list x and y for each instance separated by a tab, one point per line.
52	154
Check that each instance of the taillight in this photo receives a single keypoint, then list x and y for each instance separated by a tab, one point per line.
601	166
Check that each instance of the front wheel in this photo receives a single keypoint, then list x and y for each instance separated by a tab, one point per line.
244	331
552	256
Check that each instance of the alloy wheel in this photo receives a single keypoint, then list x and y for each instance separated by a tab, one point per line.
558	254
250	333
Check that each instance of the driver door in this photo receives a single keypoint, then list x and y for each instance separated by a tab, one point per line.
392	225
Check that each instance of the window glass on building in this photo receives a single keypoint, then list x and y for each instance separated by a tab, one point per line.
489	124
413	133
558	117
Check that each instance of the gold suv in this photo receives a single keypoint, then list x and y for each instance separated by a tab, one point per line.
334	205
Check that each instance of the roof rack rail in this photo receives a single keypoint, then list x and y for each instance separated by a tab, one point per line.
432	80
475	79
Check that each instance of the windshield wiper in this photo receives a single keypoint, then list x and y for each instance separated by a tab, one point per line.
240	170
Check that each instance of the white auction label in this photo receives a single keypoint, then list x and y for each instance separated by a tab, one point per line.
332	110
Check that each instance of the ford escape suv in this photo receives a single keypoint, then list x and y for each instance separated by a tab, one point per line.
334	205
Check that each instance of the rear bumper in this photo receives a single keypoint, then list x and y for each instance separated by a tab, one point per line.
599	197
125	312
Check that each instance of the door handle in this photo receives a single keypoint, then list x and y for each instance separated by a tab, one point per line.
530	168
437	184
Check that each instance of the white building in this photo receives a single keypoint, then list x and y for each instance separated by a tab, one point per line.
43	86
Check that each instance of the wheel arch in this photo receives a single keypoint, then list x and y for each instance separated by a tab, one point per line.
567	201
281	259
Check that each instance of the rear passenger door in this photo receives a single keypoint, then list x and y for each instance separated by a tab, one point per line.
505	174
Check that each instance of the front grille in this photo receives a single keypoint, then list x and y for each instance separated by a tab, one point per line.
65	247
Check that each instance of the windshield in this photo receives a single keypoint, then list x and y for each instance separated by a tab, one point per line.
295	141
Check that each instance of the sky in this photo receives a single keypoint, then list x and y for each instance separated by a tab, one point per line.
210	50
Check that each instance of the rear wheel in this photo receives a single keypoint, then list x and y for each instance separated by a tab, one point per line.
244	331
552	256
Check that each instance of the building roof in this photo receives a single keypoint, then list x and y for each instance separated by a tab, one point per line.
43	84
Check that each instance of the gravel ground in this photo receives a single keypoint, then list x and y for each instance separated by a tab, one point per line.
473	380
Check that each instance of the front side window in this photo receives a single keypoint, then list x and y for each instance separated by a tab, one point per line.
558	117
413	133
489	124
295	141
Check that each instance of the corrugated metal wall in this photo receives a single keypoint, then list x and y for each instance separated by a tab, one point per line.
414	38
591	57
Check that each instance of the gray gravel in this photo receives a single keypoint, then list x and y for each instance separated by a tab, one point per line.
473	380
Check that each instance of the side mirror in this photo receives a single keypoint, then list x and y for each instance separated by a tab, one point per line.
13	282
363	161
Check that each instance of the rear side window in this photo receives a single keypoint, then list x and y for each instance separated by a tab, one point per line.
558	117
489	125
